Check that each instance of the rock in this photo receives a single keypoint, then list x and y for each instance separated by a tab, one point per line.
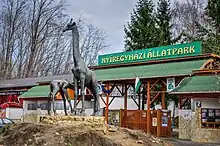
140	142
111	129
57	133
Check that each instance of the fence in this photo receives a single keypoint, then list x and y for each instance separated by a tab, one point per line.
158	124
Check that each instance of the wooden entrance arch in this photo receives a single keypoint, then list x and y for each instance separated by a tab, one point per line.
152	74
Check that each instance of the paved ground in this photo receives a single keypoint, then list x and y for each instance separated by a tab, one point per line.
178	142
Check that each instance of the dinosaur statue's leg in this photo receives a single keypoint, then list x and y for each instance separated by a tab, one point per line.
49	103
96	111
64	102
68	99
75	95
82	84
53	103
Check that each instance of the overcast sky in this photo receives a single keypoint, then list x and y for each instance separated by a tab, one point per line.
109	15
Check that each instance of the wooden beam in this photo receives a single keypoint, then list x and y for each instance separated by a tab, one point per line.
121	92
107	102
187	99
204	66
180	102
78	101
103	100
164	82
134	101
111	101
125	97
155	97
143	99
154	83
139	99
163	94
177	83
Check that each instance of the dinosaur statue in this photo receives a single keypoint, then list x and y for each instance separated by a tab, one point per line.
59	86
83	76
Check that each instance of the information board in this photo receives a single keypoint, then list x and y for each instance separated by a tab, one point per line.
210	115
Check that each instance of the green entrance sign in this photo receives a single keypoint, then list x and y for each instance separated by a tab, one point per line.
164	52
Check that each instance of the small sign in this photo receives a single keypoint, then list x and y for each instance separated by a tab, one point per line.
164	121
154	122
198	103
170	84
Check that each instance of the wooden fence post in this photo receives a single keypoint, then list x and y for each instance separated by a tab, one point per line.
159	122
120	118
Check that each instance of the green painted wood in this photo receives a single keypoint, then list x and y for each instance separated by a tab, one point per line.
149	71
199	84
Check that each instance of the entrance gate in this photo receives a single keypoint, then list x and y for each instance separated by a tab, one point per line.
159	123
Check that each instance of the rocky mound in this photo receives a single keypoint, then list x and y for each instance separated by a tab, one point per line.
69	134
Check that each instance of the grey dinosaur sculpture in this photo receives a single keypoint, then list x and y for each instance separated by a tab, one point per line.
83	76
59	86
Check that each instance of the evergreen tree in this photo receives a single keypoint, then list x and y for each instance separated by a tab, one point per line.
164	22
140	32
213	11
209	31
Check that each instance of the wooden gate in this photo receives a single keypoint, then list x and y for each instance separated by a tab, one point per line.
159	123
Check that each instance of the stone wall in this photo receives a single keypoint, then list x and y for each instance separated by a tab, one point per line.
96	123
199	134
31	118
185	124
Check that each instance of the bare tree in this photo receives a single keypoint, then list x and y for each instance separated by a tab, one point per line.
93	41
32	41
186	15
11	14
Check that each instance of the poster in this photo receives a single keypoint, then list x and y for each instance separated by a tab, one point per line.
154	122
170	84
164	121
186	114
2	113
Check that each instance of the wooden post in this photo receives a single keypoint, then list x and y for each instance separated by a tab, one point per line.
126	98
148	95
180	102
139	99
148	108
149	121
159	122
107	101
120	118
163	94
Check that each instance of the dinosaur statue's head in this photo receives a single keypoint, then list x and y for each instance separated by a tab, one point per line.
70	25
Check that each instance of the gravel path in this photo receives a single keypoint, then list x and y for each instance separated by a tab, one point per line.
179	142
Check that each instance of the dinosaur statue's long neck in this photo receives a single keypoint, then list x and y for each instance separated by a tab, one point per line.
76	53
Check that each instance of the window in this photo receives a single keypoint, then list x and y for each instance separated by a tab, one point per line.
210	118
32	106
44	106
60	106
